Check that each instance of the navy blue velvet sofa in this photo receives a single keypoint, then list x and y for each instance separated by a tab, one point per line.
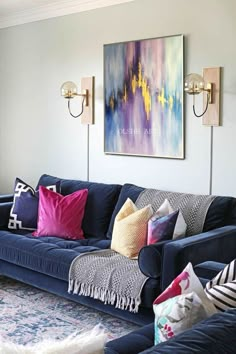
215	334
44	262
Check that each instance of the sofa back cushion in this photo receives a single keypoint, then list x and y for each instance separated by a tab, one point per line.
101	202
221	212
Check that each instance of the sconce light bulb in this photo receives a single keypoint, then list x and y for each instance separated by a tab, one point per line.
194	84
69	89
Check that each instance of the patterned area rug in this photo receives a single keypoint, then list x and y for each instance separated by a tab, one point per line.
29	315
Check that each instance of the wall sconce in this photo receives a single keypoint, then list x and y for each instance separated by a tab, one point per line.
69	91
210	84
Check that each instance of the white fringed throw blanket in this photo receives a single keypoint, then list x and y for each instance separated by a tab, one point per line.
194	207
108	276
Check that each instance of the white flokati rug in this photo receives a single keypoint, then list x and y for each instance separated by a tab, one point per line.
91	342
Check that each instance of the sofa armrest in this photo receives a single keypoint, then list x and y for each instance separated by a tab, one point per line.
4	214
4	198
218	245
150	259
209	269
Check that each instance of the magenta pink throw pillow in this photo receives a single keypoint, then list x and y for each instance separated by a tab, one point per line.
60	215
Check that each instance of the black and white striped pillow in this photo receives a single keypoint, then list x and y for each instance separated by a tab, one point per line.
221	290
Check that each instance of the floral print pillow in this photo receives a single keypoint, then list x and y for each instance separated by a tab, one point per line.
177	314
185	283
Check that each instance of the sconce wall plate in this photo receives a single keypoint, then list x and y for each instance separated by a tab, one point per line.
87	84
212	115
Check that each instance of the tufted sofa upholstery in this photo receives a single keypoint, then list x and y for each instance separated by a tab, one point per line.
48	255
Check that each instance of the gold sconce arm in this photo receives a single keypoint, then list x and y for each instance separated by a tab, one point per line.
85	95
207	103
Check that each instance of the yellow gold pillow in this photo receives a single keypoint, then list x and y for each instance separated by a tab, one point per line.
130	229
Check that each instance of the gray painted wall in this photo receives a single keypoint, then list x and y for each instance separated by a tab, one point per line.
38	136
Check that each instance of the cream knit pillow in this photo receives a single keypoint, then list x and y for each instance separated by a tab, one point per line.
130	229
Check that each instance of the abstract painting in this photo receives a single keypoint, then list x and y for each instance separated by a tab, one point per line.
143	95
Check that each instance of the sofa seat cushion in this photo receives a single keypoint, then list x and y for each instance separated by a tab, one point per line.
53	256
208	269
48	255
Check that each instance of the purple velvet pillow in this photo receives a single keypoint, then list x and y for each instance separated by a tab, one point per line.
160	229
59	215
24	212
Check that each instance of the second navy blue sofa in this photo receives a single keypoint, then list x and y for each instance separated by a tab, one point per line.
45	262
215	334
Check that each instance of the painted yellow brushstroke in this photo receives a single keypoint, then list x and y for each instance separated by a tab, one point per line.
112	102
144	86
134	84
139	81
171	102
146	97
125	94
140	75
161	97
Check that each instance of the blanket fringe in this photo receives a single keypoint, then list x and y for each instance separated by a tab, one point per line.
108	297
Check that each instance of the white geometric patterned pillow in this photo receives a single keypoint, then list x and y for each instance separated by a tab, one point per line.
24	211
221	290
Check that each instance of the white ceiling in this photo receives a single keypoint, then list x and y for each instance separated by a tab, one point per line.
15	12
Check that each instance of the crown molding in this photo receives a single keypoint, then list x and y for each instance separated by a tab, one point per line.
56	9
